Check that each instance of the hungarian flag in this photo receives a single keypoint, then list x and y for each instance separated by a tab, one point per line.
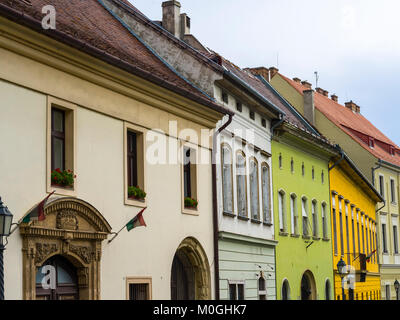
370	256
37	212
137	221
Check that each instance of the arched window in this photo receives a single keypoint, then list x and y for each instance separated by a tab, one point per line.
314	218
293	214
303	169
304	213
282	211
292	166
241	184
327	290
285	290
266	193
262	289
227	188
255	207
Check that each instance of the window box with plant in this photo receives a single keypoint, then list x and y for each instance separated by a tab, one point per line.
191	203
136	193
62	178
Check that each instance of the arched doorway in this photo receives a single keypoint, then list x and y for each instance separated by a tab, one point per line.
57	279
190	272
285	290
308	288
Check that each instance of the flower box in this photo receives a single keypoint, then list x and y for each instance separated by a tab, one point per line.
136	193
62	179
191	203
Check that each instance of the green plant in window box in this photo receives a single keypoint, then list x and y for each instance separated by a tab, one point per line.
64	179
191	203
136	193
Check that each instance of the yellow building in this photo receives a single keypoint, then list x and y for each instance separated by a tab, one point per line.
354	230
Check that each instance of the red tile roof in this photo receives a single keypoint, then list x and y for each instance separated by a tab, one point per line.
354	124
89	26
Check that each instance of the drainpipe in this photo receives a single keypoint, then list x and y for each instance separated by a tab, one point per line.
373	171
341	158
215	206
277	124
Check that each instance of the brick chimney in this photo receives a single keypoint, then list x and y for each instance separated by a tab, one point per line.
326	93
352	106
309	107
298	80
319	90
273	71
261	71
171	17
306	84
334	97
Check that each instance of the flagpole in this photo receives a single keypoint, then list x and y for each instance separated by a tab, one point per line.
116	234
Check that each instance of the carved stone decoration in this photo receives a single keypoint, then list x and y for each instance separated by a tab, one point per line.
67	220
44	250
60	234
83	252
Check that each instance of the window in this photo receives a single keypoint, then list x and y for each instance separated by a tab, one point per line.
387	289
280	161
241	185
327	290
324	221
285	290
252	115
305	216
282	211
335	247
227	188
293	214
322	177
236	290
392	150
61	138
264	123
384	245
262	289
266	193
393	190
313	173
341	227
255	208
395	241
303	170
358	231
292	166
362	234
239	106
382	186
314	218
138	288
347	233
352	232
224	97
57	139
134	164
371	142
189	174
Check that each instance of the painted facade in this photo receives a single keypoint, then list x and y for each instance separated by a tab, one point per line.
100	111
301	212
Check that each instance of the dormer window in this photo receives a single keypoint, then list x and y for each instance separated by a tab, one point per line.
371	142
392	150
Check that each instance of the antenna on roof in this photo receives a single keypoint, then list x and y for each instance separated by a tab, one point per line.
316	78
277	59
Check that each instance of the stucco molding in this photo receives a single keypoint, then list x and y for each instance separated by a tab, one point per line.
248	239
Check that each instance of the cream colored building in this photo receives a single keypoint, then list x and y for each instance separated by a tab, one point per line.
103	98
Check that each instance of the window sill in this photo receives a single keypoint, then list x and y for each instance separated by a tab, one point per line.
306	237
325	239
190	211
268	224
62	191
243	218
283	234
256	221
295	236
316	238
228	214
135	202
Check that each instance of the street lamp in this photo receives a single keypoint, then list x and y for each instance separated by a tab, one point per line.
5	228
396	287
341	268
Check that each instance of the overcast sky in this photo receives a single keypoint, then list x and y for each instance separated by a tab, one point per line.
353	44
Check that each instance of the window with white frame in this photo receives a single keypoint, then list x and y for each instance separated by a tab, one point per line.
335	244
293	214
282	211
353	232
382	186
266	193
395	240
304	212
241	184
262	289
227	187
255	208
314	218
384	243
236	290
393	190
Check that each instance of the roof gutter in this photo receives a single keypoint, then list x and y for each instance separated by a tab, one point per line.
215	206
276	125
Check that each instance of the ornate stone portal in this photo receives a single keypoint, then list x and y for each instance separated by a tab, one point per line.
73	229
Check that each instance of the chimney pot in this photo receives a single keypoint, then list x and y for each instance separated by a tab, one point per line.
298	80
334	97
262	71
273	71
